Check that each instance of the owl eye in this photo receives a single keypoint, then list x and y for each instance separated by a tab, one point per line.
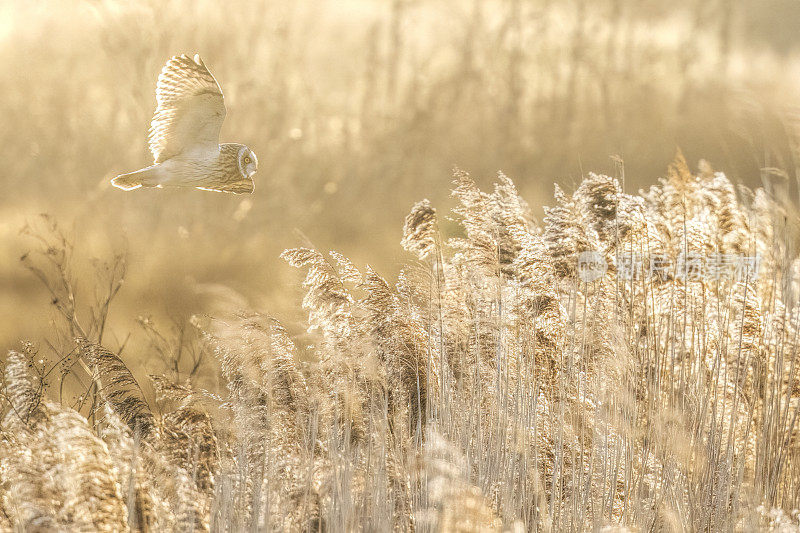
247	160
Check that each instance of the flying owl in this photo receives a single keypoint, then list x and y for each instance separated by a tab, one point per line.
184	136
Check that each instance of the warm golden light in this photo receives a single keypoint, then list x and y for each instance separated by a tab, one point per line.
602	335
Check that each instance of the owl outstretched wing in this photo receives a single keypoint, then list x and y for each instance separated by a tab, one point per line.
190	109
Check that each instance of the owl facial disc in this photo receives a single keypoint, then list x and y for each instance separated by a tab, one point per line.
247	161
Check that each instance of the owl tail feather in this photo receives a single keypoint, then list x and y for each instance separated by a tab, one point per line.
141	178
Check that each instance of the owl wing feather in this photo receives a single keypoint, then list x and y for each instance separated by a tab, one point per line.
190	109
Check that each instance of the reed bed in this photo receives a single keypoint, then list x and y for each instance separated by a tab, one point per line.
492	386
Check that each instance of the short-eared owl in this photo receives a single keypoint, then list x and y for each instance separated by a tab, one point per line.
184	136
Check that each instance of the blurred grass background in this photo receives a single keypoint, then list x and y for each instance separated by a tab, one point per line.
356	110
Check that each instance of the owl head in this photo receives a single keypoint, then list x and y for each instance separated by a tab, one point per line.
248	162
